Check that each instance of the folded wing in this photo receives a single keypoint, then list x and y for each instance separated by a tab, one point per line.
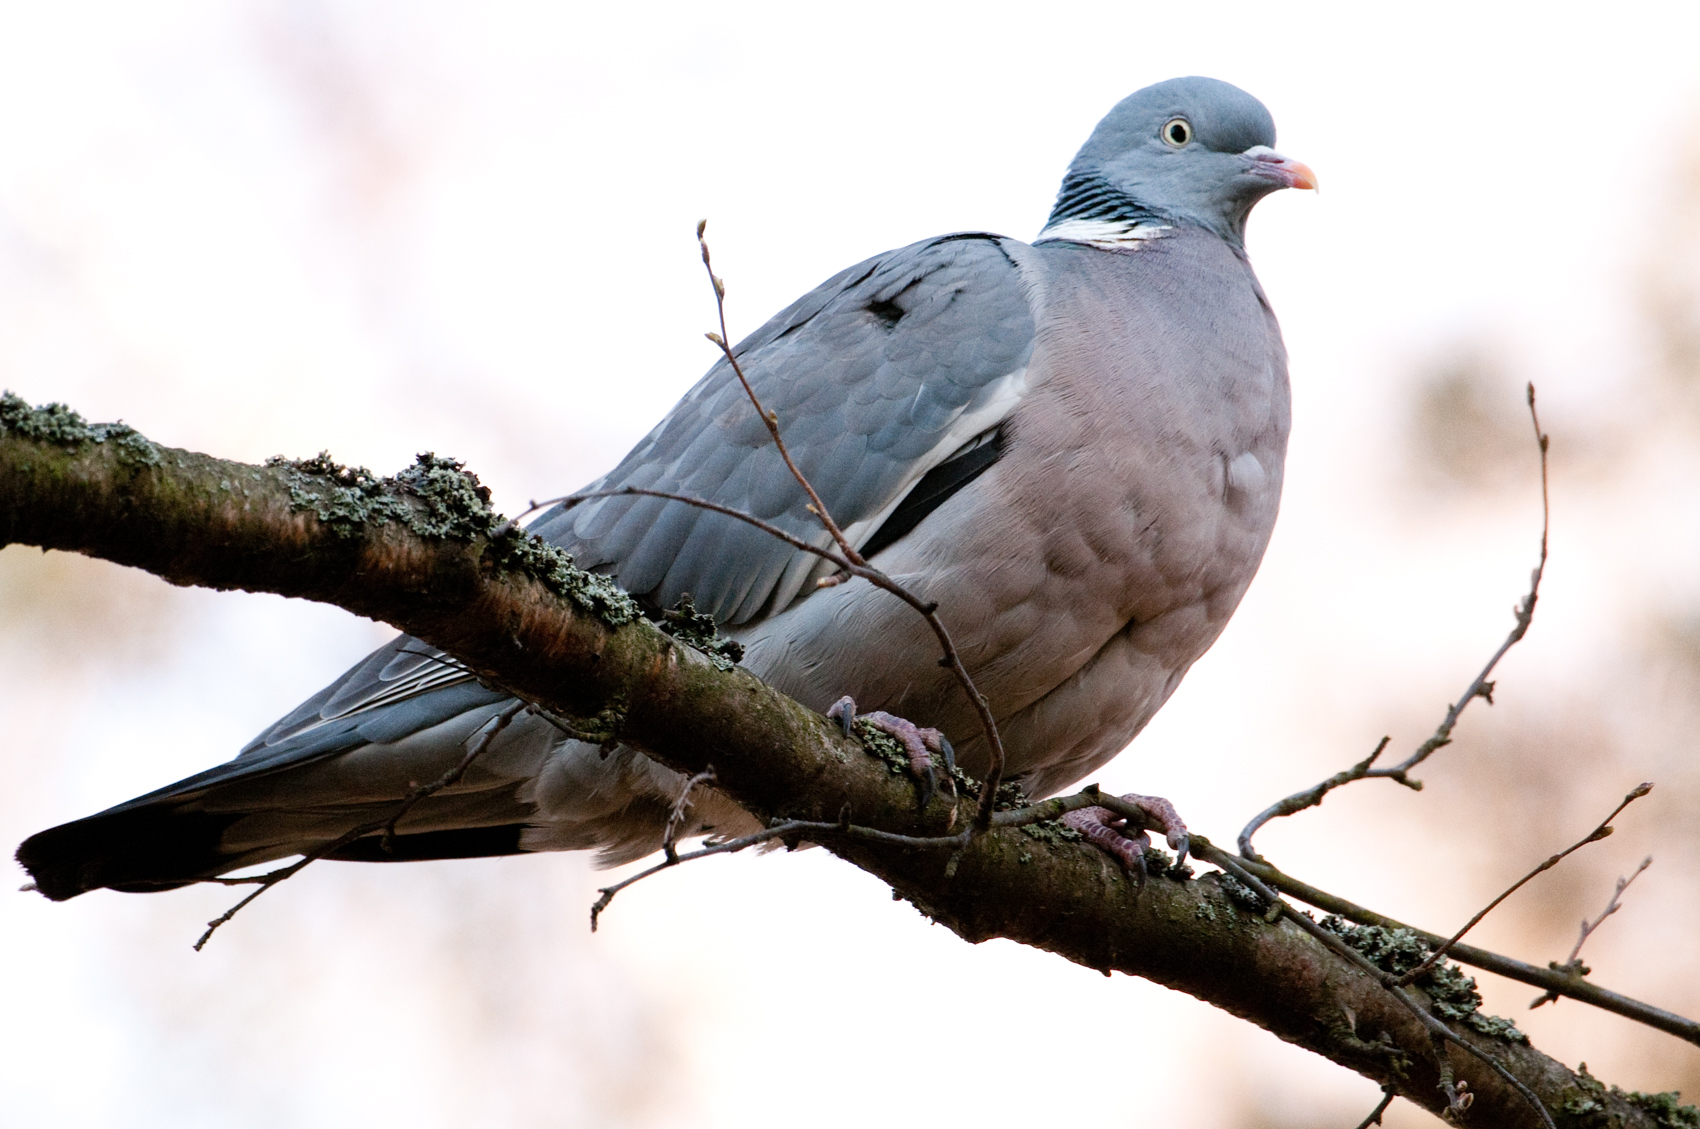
893	373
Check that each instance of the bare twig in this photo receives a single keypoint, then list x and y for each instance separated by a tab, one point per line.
568	501
1552	978
860	567
795	830
1309	798
1573	965
819	831
496	725
386	825
1480	687
768	418
778	831
1611	908
676	819
1593	836
927	609
272	878
1374	1118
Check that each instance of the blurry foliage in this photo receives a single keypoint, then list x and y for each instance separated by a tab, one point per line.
1671	286
497	977
64	609
362	101
1670	306
1527	777
1469	430
1674	639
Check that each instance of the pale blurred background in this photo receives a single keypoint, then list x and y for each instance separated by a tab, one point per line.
381	228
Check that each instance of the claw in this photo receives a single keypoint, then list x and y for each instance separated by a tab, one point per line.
1141	843
945	750
917	742
1102	828
929	785
843	711
1163	813
1127	841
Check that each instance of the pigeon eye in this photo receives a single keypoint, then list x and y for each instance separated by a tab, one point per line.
1177	132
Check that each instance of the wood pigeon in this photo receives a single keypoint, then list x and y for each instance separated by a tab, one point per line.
1074	446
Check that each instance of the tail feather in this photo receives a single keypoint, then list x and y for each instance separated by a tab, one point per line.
531	789
292	797
454	843
164	846
138	850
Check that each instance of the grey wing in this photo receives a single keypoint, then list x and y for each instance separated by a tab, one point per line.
878	375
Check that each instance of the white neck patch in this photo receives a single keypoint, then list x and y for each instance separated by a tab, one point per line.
1105	235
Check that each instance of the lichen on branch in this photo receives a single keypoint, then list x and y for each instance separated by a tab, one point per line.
439	498
58	425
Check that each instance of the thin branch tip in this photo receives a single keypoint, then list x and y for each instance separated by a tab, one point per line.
1483	686
1599	832
1388	1093
1573	966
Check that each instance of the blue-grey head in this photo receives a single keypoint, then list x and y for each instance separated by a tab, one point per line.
1192	150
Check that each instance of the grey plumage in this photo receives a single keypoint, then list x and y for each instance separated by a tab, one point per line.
1097	420
877	375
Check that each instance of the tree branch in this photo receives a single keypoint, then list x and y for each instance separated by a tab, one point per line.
421	551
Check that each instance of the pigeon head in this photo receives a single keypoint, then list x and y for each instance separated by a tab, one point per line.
1190	149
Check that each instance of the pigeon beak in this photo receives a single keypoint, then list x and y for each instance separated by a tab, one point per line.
1285	171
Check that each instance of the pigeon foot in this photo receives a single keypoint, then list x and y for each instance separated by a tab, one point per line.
921	744
1128	841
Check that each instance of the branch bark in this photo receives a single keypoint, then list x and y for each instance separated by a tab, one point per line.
410	552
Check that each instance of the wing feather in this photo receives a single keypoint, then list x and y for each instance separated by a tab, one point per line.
878	375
